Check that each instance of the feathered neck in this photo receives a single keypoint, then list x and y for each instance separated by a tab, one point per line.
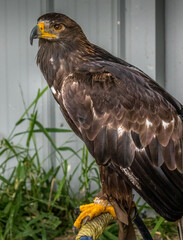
57	60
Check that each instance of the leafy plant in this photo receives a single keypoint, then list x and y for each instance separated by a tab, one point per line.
34	203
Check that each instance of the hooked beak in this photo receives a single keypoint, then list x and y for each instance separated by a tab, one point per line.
39	32
33	34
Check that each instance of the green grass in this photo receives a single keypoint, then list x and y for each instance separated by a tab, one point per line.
38	204
35	203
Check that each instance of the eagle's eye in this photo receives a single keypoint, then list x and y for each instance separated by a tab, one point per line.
58	27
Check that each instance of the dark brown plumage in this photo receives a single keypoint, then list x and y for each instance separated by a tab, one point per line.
129	123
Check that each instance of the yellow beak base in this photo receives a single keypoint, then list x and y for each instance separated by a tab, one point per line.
44	34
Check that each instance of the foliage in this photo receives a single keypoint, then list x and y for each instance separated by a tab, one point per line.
35	203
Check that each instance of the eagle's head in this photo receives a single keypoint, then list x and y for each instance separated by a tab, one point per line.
56	27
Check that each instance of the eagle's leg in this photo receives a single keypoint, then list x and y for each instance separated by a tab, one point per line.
89	211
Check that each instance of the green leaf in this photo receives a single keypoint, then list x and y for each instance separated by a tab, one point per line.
32	124
37	218
4	180
3	151
69	149
158	224
140	209
44	234
59	190
110	236
28	233
51	130
7	208
10	146
20	121
48	203
12	156
20	172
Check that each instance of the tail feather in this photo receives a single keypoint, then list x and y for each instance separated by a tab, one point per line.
180	228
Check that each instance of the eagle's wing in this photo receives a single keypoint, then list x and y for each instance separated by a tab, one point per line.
119	111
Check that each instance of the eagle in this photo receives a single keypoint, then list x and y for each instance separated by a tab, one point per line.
130	124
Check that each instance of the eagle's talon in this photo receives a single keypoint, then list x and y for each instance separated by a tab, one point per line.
92	210
86	219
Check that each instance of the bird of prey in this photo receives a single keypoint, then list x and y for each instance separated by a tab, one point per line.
130	125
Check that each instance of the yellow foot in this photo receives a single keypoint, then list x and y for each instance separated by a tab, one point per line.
89	211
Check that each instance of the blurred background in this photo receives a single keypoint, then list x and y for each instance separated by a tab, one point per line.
146	33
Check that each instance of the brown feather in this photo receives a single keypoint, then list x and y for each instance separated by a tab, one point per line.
112	141
125	150
164	134
146	135
101	150
169	155
179	155
136	140
155	154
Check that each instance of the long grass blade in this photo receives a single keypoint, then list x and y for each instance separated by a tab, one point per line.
157	226
50	130
32	124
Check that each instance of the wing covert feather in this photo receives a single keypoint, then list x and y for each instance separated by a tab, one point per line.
120	113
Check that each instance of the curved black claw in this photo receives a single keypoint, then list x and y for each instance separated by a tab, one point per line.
75	230
85	220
